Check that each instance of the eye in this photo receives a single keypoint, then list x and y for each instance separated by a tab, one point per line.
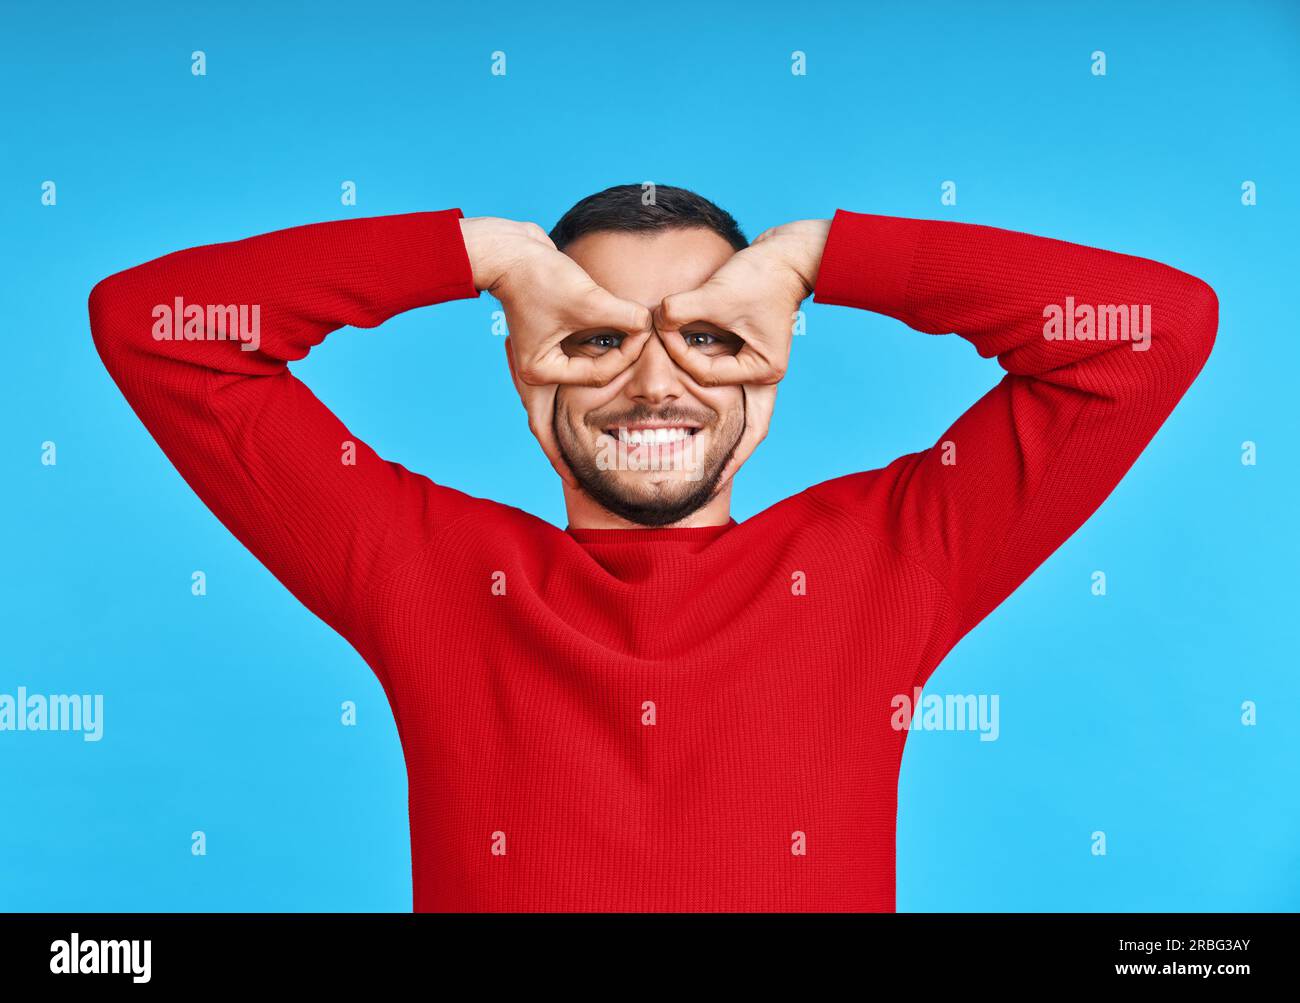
592	345
604	340
712	342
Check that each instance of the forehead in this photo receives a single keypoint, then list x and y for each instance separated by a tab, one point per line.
647	266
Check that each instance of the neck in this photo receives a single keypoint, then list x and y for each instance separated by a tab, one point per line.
584	513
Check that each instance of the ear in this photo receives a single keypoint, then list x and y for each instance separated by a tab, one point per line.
539	404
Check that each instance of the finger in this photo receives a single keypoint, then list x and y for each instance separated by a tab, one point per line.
579	370
697	364
760	401
596	372
712	305
539	404
602	309
598	310
679	309
746	366
672	314
534	232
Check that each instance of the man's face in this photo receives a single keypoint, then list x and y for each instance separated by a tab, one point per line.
651	444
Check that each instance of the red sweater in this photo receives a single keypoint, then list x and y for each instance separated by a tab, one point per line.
657	719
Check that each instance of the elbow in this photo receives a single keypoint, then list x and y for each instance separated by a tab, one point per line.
1190	325
107	305
100	307
1202	321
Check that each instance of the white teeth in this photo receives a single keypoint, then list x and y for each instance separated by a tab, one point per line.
655	436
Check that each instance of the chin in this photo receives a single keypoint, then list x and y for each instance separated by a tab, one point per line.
644	503
649	475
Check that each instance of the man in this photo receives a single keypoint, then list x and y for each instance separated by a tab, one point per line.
657	708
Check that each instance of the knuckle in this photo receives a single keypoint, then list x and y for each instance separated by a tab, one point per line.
599	377
669	310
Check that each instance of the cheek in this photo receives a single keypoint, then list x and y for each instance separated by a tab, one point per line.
728	402
573	403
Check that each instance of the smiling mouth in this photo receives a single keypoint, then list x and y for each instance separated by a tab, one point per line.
652	435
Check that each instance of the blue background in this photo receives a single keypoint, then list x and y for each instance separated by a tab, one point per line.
1119	713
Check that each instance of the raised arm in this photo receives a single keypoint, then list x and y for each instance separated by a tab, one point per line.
1021	470
199	343
317	506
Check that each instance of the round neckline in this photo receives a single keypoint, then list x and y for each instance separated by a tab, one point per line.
646	534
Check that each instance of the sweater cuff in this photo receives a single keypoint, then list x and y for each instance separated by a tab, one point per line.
421	259
867	262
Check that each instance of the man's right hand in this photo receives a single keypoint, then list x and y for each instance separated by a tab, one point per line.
548	298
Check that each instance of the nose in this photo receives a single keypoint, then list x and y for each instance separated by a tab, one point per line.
654	377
